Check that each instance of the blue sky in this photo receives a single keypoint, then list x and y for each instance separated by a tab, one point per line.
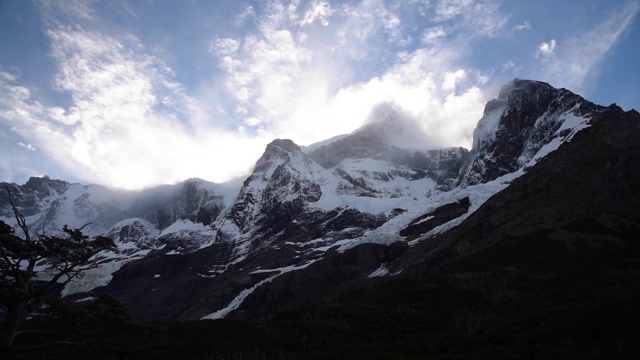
136	93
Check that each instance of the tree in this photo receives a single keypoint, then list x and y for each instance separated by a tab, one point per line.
64	258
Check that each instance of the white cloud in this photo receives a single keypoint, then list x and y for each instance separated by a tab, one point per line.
546	48
483	17
252	121
224	47
267	70
508	65
432	34
369	19
27	146
524	26
23	115
451	79
318	10
67	11
411	86
580	55
247	13
289	89
286	88
118	129
130	123
59	114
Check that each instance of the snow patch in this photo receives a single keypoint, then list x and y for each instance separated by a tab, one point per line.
186	226
370	237
108	263
238	300
572	123
381	271
97	277
424	220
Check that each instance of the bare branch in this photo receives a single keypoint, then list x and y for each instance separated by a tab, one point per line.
85	225
22	223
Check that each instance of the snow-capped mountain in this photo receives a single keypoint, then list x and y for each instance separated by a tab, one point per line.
138	222
202	250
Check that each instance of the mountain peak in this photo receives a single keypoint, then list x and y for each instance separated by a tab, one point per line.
394	126
47	185
284	144
525	116
386	127
277	151
517	86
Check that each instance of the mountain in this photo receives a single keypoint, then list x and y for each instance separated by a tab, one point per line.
525	117
139	222
550	174
579	203
581	198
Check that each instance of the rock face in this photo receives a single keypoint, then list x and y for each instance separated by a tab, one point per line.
283	183
29	197
195	200
137	232
515	126
309	222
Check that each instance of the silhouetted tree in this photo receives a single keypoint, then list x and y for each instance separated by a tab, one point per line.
62	259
